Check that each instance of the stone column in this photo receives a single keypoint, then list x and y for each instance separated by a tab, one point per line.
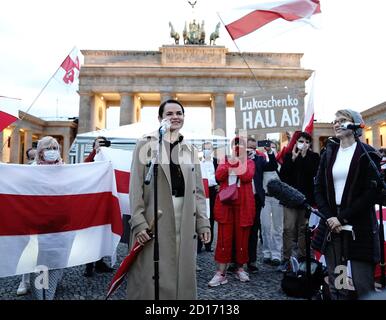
166	96
15	146
219	112
127	112
27	143
376	130
66	147
85	106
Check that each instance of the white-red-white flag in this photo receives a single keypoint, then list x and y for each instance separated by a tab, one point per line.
6	119
121	161
57	216
252	18
308	122
69	70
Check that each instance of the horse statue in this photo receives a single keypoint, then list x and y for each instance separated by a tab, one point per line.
174	34
214	35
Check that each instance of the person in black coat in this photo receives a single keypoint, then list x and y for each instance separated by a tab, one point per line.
298	170
345	192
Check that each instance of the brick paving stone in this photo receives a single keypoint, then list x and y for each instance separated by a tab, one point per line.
264	285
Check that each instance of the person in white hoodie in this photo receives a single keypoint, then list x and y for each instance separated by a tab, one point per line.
271	218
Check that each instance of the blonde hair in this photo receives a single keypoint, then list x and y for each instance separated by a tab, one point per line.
43	143
346	114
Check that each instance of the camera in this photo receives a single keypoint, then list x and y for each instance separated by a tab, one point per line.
264	143
105	143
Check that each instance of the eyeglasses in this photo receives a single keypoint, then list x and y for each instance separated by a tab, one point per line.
340	121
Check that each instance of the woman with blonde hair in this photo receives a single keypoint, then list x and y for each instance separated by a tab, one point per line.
47	153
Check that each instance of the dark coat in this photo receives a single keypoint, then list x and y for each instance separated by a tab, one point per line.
358	200
300	173
262	165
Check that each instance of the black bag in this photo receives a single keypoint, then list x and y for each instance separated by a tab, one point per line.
295	284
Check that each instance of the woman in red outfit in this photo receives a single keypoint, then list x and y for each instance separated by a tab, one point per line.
234	220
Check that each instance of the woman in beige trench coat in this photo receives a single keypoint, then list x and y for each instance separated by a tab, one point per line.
181	199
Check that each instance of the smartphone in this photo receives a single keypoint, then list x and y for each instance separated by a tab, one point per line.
264	143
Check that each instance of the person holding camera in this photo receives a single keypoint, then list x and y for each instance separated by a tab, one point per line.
236	218
208	166
272	212
298	170
100	265
346	191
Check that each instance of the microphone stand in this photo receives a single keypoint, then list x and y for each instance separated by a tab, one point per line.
153	173
381	182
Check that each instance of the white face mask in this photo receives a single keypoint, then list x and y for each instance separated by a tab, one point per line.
300	146
207	153
51	155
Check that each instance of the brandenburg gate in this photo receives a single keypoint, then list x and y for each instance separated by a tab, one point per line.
196	75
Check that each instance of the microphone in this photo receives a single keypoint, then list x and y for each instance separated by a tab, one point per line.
165	125
290	197
352	126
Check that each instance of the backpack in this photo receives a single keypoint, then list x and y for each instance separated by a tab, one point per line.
294	284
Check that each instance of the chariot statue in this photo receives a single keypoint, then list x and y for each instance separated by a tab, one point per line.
196	33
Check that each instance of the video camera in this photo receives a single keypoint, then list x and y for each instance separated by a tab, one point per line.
263	143
105	143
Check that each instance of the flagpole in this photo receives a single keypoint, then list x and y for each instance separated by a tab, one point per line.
37	97
242	56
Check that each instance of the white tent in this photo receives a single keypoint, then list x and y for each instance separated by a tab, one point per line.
125	137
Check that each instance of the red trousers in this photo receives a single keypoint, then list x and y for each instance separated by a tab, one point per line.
229	235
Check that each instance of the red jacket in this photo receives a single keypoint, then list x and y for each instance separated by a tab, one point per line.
246	200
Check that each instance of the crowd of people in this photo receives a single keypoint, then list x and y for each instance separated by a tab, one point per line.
340	183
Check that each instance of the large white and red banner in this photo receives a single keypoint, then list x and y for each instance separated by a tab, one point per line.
121	161
57	216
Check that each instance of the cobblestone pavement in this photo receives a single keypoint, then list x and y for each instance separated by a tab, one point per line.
264	285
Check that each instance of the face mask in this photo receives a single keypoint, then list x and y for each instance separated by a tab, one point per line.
207	153
251	152
300	146
51	155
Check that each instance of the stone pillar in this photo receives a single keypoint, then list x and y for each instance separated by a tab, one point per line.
166	96
15	146
27	144
376	130
85	107
127	112
219	112
66	148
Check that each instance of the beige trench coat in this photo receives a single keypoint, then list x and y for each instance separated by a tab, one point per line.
177	274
